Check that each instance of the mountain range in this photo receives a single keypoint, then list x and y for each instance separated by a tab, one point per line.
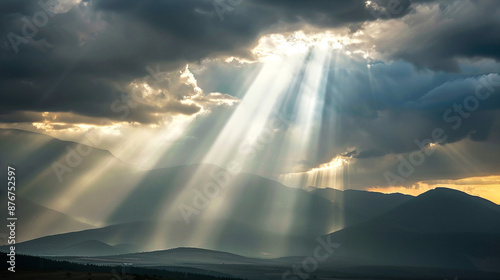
268	223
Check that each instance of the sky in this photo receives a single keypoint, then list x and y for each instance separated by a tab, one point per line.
389	96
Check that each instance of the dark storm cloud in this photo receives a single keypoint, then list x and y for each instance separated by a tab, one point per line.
442	34
378	113
404	105
461	160
369	154
79	59
400	112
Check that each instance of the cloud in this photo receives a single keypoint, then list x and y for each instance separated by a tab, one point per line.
437	35
122	61
79	55
88	51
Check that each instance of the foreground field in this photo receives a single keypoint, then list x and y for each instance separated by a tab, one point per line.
59	275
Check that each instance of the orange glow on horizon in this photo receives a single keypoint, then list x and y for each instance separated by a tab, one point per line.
487	187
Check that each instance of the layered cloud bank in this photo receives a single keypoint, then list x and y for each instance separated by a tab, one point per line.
372	94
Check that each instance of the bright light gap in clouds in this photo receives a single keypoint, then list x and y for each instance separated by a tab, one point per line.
352	72
258	128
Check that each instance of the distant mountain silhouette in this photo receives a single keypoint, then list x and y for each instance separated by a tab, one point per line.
36	221
249	215
367	204
440	228
186	255
238	238
36	156
93	248
142	195
281	216
445	210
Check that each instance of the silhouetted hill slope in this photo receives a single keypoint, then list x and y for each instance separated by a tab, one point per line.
445	210
178	256
247	214
440	228
35	157
234	237
94	248
366	204
103	190
36	221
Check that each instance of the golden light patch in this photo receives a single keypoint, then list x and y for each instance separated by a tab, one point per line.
487	187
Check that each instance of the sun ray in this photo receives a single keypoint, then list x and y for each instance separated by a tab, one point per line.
255	109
